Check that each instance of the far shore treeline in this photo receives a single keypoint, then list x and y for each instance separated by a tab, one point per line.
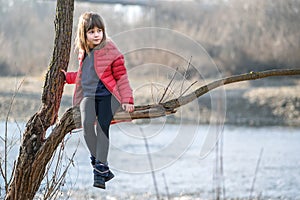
239	35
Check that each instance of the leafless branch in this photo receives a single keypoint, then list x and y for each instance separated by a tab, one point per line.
53	185
167	88
187	89
7	179
169	107
256	172
184	76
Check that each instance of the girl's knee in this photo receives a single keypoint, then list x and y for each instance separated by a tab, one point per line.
88	123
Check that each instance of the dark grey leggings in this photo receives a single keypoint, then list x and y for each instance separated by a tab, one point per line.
102	109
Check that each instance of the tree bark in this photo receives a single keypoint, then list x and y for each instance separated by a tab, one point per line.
34	152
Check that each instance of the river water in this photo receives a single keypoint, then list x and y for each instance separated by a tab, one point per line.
183	160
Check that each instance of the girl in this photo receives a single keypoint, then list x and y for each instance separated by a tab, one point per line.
102	86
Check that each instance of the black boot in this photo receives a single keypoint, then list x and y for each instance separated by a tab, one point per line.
110	174
93	161
100	173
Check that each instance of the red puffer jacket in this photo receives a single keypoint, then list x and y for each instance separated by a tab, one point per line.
109	66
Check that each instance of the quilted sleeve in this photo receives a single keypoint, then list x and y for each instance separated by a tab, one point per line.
121	77
71	77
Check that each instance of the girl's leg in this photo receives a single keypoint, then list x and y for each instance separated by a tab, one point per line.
88	118
105	108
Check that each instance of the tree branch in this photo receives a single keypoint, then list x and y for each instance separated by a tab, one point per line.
72	120
175	103
169	107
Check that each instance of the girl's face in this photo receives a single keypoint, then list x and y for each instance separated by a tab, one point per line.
94	37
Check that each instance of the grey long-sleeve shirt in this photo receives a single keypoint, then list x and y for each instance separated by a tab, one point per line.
91	84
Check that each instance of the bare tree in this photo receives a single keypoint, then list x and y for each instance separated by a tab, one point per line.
36	151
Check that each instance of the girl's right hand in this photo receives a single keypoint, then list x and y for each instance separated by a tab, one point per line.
128	107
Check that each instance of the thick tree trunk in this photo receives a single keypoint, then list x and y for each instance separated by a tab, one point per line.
32	159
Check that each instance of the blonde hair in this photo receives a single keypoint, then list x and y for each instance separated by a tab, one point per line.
87	21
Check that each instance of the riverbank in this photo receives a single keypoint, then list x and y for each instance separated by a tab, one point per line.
273	101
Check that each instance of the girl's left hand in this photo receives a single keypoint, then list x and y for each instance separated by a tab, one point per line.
128	107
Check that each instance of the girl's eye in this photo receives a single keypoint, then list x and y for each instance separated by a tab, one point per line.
93	31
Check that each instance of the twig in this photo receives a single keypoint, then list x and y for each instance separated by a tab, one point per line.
171	92
166	186
222	163
152	93
12	173
256	172
62	177
219	170
6	181
19	128
1	170
184	75
187	89
151	164
216	175
155	100
53	186
167	88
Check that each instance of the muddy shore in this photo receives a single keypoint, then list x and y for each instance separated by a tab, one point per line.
273	102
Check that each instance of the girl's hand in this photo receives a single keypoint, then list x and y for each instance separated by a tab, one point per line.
128	107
